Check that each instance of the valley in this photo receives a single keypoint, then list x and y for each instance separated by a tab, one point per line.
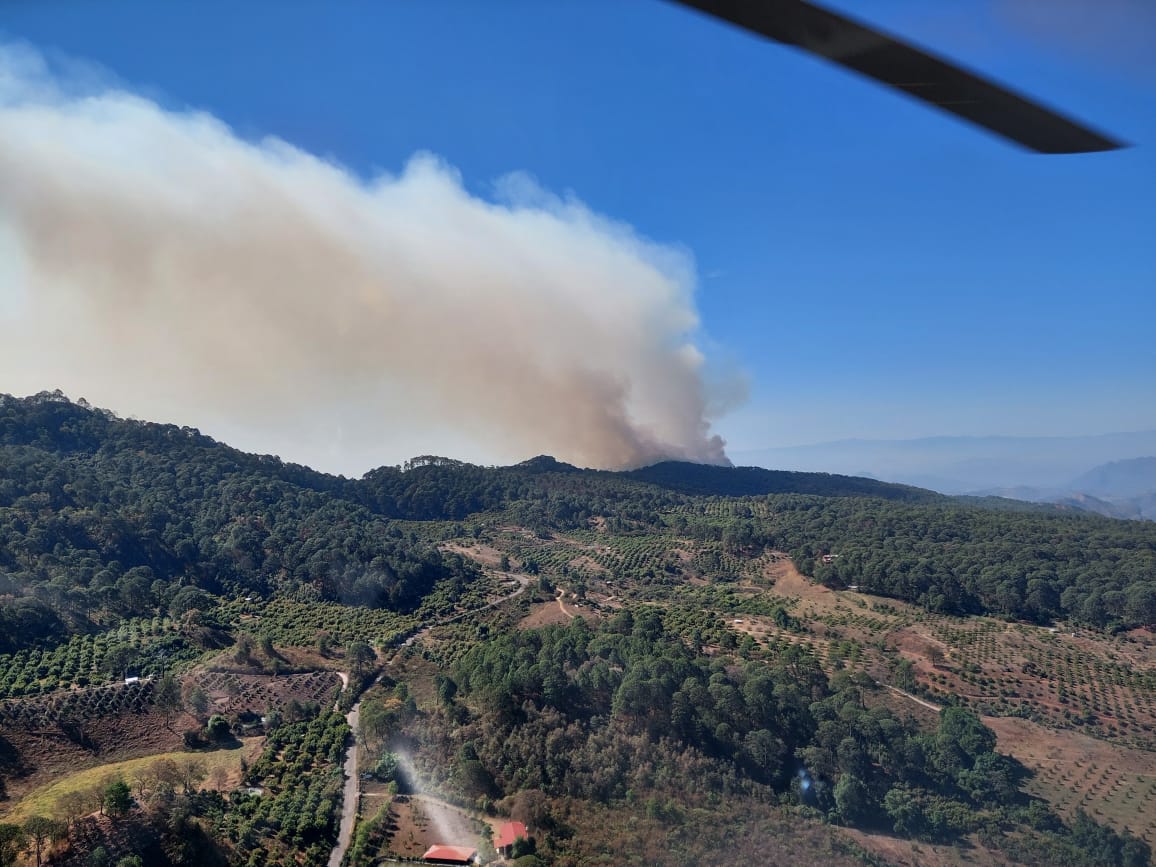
704	666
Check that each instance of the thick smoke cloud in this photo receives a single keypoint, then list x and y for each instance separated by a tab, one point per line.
156	263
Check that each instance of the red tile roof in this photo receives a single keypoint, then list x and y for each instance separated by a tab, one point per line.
454	854
510	832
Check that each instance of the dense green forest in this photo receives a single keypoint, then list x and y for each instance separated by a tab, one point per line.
1035	565
628	712
103	519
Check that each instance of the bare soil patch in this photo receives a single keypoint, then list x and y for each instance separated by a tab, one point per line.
789	581
49	753
543	614
118	837
420	823
1114	784
911	853
486	555
761	835
920	648
1084	681
417	672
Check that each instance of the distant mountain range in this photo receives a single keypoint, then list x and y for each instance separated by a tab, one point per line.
1119	489
1112	474
1131	478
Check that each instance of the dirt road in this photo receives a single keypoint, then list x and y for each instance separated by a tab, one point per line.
915	699
351	794
562	605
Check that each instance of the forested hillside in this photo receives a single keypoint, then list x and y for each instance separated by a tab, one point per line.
103	518
611	654
1032	564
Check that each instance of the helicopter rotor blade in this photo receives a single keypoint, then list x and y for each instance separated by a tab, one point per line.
911	70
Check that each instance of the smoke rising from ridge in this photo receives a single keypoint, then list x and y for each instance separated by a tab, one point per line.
155	263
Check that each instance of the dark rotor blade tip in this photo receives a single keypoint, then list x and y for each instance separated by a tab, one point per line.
903	67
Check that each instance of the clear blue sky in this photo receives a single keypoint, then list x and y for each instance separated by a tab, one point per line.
875	268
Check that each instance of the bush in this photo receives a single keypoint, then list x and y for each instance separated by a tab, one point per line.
386	768
218	729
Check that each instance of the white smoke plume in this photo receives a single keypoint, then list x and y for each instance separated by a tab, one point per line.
154	262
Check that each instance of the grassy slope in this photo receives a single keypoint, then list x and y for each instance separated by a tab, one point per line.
46	800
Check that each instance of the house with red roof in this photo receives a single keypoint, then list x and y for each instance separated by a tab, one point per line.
507	834
439	854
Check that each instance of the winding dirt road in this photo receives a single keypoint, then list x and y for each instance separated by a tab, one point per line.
562	604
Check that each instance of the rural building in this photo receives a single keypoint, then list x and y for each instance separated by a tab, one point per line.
507	834
439	854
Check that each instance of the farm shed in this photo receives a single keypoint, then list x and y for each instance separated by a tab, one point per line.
439	854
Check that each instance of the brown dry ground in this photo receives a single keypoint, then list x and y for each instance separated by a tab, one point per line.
119	837
909	853
232	693
486	555
543	614
47	755
291	660
33	758
421	822
789	581
761	835
1114	784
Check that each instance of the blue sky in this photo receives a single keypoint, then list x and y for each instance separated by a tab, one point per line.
873	268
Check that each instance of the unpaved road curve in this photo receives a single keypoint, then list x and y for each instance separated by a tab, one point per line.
562	604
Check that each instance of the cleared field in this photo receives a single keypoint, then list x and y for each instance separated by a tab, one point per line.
45	754
1113	784
544	614
231	693
419	822
1068	679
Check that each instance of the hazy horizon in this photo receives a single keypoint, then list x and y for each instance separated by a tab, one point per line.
903	461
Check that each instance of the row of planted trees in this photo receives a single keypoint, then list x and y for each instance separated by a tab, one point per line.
293	796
